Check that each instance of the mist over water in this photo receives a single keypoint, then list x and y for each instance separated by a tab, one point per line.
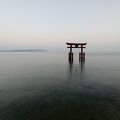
46	86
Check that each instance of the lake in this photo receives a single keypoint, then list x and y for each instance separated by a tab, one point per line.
45	86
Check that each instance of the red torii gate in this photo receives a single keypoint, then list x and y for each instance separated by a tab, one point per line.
76	45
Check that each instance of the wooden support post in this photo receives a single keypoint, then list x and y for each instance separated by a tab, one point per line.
81	56
70	55
70	48
81	48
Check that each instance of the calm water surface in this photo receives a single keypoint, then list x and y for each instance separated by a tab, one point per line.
45	86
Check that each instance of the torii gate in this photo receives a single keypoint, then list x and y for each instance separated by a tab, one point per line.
76	45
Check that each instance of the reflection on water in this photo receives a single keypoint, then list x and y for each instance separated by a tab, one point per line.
70	66
82	65
77	70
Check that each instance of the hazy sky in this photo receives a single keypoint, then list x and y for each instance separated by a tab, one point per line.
49	24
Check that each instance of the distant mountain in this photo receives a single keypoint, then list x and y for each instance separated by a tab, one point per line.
23	50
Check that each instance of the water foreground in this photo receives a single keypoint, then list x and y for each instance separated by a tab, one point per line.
46	86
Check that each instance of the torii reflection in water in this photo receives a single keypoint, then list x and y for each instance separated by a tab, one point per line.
75	70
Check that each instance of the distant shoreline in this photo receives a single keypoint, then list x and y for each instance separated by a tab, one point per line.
24	50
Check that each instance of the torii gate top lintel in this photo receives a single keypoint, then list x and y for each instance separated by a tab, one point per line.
76	43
